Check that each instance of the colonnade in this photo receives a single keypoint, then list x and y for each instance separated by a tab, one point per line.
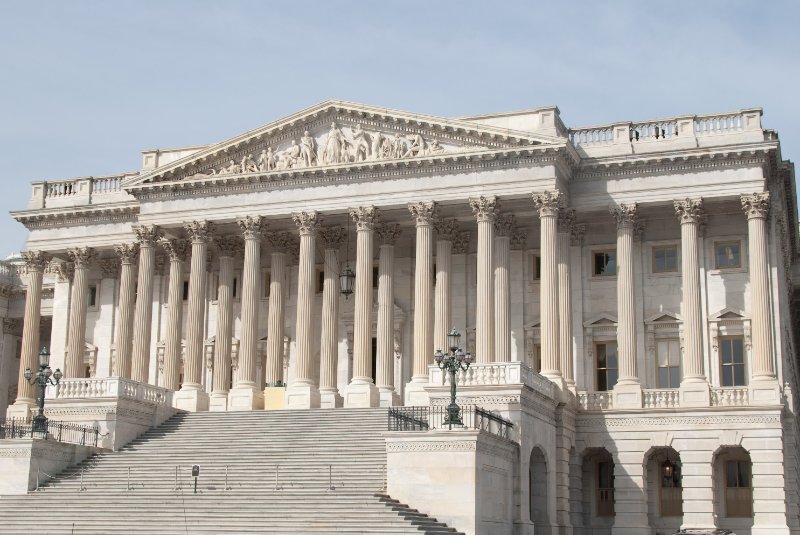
314	382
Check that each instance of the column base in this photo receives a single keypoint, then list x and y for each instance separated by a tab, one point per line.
362	394
628	396
415	394
190	400
302	396
21	409
218	402
274	398
765	392
695	394
330	399
388	397
245	398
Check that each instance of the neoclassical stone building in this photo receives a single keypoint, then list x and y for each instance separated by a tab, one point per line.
627	291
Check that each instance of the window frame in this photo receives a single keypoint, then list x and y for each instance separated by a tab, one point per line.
715	247
658	365
96	305
604	507
659	247
593	265
597	369
734	505
721	341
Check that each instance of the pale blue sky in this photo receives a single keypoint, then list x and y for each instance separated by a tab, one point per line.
86	85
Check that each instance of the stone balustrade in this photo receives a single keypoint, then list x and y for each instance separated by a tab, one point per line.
666	398
115	387
595	401
494	373
78	191
730	397
662	398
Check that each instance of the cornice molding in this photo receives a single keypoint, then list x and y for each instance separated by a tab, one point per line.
89	214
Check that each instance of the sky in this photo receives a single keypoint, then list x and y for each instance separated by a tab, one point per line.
85	86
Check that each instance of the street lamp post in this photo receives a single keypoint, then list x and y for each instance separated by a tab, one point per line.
455	360
45	376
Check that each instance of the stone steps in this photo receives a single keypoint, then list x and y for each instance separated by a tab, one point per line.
302	444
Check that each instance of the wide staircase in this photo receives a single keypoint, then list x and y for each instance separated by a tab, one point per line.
315	471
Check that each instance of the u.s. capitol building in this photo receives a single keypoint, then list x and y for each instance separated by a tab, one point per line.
627	292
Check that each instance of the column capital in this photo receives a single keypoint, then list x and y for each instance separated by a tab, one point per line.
109	268
424	213
63	270
577	234
484	208
332	237
282	241
626	215
81	257
36	260
504	225
387	233
566	219
127	252
177	248
689	210
229	245
519	238
147	235
307	222
199	231
461	243
756	205
447	229
252	226
364	217
548	203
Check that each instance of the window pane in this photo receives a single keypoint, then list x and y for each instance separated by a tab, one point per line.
611	263
727	376
670	258
674	377
744	473
601	356
725	351
738	375
602	384
674	353
662	348
663	378
612	379
611	350
599	263
731	473
737	349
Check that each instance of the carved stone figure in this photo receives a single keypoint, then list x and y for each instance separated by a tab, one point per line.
398	147
386	148
308	149
361	149
266	161
435	148
294	152
332	153
416	146
377	140
232	169
248	165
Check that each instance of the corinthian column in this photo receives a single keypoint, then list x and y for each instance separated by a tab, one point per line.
756	206
127	254
565	221
229	247
76	344
361	391
423	214
147	237
447	231
246	395
485	210
178	250
332	238
627	391
548	204
281	242
503	227
387	236
192	396
35	264
302	392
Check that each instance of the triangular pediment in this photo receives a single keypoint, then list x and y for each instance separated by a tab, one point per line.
728	313
336	134
663	317
601	320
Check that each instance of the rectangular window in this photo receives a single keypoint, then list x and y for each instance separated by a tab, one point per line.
320	280
665	258
537	358
235	287
731	354
605	489
728	254
605	263
375	276
92	297
185	290
537	267
606	365
265	281
668	359
738	491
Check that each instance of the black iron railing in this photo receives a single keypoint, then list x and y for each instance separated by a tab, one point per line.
49	430
425	418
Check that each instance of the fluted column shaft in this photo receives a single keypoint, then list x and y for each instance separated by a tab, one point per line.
330	321
626	322
548	204
690	213
199	232
502	308
362	338
76	344
222	348
35	263
177	250
485	210
252	227
756	206
565	297
275	321
307	224
442	311
423	214
127	300
140	367
385	361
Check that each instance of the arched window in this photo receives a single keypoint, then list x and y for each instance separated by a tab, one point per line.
671	496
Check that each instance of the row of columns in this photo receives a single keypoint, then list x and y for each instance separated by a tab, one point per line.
314	383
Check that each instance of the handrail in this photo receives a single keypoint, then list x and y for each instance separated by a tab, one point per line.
427	418
66	432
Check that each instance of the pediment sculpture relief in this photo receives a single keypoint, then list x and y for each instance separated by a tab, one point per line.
338	146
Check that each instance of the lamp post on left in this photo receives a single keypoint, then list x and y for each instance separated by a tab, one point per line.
45	376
